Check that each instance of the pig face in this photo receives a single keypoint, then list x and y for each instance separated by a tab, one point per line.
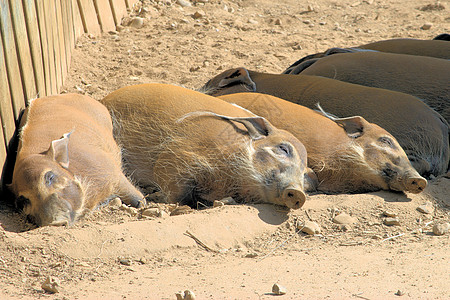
45	188
386	162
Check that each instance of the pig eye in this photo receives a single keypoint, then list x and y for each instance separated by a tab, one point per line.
387	141
49	178
284	149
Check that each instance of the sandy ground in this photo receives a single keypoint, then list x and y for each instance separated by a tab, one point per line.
117	253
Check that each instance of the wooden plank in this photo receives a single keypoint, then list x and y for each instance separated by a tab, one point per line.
104	15
12	62
52	34
24	53
47	58
119	10
66	8
61	39
77	22
35	45
89	16
6	109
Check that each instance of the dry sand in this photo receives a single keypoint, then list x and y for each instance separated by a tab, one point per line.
117	254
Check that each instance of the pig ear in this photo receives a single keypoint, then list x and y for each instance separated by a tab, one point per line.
59	150
257	127
353	126
238	76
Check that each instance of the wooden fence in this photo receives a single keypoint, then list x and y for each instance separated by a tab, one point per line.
37	39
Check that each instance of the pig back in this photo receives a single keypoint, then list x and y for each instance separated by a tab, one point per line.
148	121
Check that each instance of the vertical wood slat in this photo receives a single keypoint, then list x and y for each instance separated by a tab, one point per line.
61	39
25	63
12	62
47	49
50	9
35	45
6	110
89	16
77	22
68	31
104	15
119	10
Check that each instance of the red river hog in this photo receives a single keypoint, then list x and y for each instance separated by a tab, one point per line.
67	160
194	147
347	154
422	133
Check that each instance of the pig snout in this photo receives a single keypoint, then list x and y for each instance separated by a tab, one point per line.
294	197
415	184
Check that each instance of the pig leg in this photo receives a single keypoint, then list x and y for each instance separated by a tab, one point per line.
129	194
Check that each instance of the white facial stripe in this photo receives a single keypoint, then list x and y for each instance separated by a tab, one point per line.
381	148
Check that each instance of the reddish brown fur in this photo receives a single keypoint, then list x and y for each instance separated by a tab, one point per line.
422	133
343	163
427	78
201	156
94	162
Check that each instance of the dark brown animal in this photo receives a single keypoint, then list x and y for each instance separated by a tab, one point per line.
192	146
347	154
426	78
438	48
67	160
421	132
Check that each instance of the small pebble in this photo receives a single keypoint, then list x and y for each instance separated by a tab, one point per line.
278	289
426	208
163	214
322	23
399	293
310	8
198	15
125	261
179	296
51	285
137	22
310	228
426	26
116	202
218	203
228	201
132	211
389	213
391	221
151	212
189	295
277	22
441	229
251	255
184	3
344	218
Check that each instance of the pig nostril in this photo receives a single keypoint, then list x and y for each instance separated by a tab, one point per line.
414	182
297	204
291	195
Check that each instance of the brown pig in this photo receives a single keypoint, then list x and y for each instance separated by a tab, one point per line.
67	160
426	78
437	48
347	154
192	146
422	133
